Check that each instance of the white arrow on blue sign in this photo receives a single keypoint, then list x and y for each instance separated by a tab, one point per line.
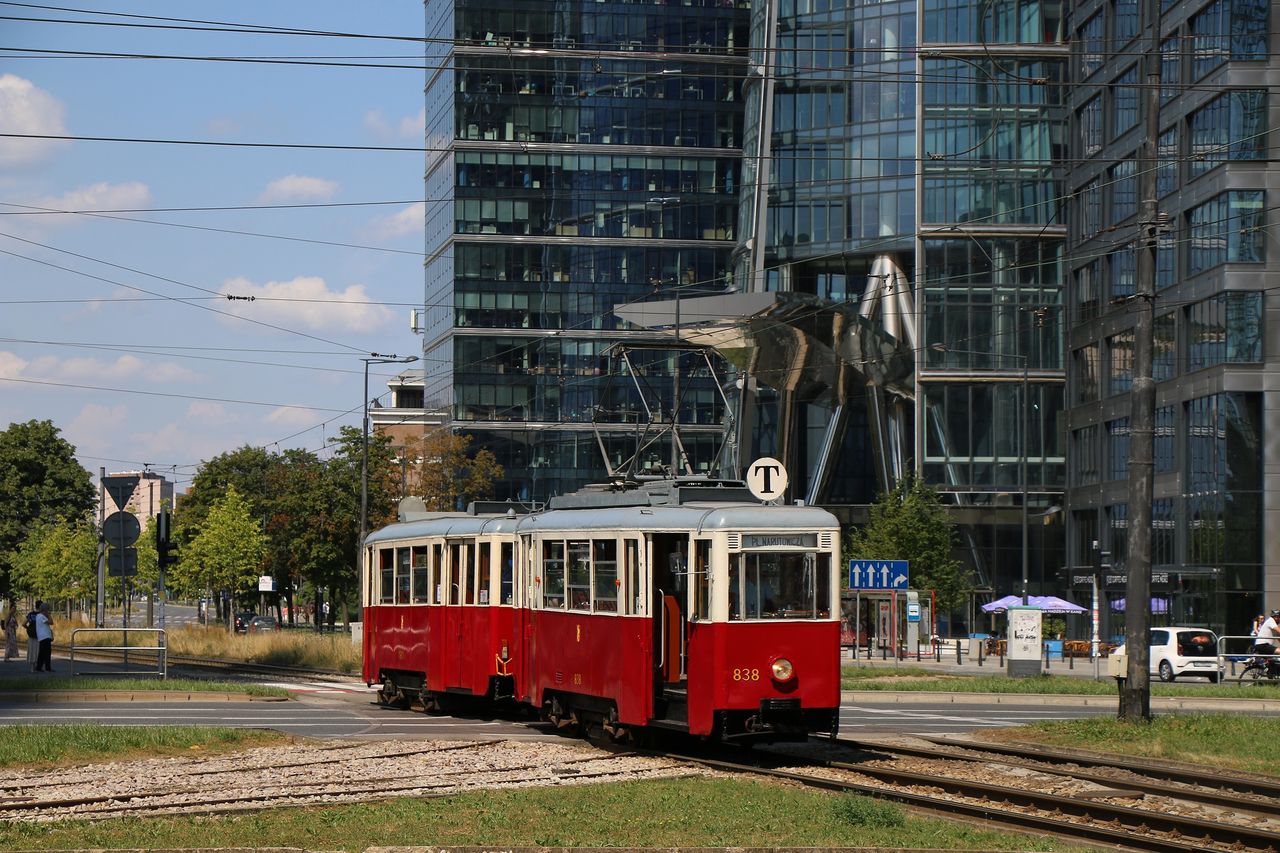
879	574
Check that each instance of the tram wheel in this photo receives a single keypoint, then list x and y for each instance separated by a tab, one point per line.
389	695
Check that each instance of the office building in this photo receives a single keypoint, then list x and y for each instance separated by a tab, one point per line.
1217	496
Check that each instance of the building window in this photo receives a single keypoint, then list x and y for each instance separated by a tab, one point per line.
1225	328
1125	21
1087	363
1118	528
1124	189
1170	68
1163	443
1093	45
1163	533
1090	123
1230	127
1166	259
1167	162
1085	455
1124	102
1088	290
1227	229
1164	357
1124	272
1228	29
1118	449
1119	363
1090	209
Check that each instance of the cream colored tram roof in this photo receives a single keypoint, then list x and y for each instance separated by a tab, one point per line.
693	517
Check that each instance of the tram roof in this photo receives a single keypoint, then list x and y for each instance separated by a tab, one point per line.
691	517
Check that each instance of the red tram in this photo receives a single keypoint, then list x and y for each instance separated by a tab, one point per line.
685	605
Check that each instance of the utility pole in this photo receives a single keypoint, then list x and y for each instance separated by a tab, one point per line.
1135	695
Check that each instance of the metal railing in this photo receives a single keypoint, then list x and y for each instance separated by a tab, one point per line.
1243	653
161	655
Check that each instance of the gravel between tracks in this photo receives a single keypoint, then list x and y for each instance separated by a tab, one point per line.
311	774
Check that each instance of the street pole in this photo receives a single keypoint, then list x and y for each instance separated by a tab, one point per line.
675	397
1135	694
1026	486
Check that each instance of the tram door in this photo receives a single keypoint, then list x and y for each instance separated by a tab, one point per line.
456	589
669	592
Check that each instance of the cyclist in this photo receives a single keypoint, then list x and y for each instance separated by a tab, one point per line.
1264	642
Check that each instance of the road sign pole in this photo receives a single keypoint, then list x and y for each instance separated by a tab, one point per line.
101	613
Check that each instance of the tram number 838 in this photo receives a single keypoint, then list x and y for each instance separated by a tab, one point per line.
746	675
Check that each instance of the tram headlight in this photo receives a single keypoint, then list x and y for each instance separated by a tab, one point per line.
783	670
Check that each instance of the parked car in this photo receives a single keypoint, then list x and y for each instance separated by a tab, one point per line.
243	619
263	624
1183	651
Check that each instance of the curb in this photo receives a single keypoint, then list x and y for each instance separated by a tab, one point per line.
1166	703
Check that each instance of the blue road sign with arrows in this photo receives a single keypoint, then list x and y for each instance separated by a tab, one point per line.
879	574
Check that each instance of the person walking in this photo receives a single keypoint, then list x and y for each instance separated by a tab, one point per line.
44	634
11	631
29	627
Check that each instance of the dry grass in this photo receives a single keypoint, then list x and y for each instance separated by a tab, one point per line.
301	648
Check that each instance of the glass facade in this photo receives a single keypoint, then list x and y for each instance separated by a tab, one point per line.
1212	288
591	159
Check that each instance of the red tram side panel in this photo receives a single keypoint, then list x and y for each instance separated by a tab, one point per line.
604	657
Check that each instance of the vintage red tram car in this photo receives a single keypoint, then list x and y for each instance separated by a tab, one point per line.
673	604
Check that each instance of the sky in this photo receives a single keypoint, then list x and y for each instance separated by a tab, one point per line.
116	325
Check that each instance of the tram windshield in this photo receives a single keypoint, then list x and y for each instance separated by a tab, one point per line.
772	585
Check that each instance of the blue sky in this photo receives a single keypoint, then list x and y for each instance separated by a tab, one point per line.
142	395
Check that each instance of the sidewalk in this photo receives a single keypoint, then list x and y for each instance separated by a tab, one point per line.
996	666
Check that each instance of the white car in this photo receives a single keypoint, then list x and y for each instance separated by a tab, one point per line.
1183	651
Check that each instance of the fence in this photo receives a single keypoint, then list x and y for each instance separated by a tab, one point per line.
160	655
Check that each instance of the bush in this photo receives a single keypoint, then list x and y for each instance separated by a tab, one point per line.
859	810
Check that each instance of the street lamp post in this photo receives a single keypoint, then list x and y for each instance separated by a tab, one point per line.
373	358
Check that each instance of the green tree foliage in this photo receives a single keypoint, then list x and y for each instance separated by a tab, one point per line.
57	561
40	481
247	469
448	476
910	523
227	553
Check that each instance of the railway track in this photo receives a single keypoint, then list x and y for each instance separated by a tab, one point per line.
1041	791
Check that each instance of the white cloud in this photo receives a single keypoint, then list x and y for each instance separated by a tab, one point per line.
100	196
26	108
209	413
291	416
307	301
411	126
298	188
11	366
89	429
409	220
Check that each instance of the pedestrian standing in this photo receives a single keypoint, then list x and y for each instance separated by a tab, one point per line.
44	634
11	631
29	628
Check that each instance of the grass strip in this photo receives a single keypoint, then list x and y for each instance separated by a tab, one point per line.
663	814
1228	741
106	682
59	744
924	681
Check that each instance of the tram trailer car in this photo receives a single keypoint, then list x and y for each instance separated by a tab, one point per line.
684	608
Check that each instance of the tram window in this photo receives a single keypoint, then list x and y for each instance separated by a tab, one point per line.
403	575
632	595
469	573
604	563
457	574
735	587
386	571
580	575
482	574
701	580
420	588
553	575
780	586
437	574
508	571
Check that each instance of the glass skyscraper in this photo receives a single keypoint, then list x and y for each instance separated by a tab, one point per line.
1214	523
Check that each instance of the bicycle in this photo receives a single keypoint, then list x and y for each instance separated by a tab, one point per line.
1259	671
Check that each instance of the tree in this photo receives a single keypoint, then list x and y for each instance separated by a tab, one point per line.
910	523
58	560
41	481
228	552
448	477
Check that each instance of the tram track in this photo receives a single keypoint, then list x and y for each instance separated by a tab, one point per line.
1032	794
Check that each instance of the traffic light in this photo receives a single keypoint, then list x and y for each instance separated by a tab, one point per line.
166	550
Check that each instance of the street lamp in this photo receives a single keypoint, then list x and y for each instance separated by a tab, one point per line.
373	358
1023	445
